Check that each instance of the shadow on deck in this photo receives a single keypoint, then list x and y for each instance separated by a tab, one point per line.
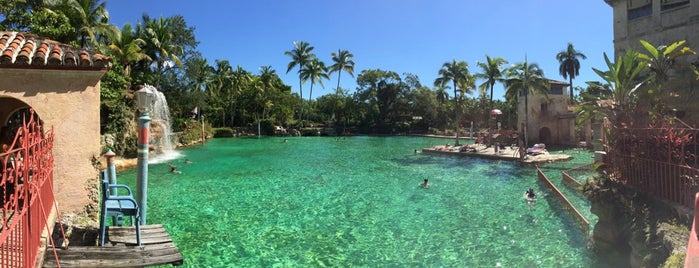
121	250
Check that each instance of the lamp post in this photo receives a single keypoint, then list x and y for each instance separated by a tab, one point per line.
144	98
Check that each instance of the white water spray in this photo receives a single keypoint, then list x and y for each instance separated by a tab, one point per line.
161	137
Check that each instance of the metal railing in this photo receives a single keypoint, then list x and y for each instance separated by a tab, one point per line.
661	161
26	186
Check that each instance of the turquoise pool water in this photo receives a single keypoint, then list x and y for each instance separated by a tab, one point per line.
317	201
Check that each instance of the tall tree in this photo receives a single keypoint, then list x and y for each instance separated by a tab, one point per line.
315	71
569	65
199	73
342	62
91	20
220	91
457	73
126	48
17	15
527	79
301	55
491	72
160	46
241	79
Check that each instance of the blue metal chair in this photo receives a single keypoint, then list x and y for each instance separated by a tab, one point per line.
117	206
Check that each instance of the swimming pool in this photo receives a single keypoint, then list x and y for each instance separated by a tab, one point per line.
319	201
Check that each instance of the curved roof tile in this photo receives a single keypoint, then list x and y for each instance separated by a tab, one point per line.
23	50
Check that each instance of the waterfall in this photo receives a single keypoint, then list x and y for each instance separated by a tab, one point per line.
161	137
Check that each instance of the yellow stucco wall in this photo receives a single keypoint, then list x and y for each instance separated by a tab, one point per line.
559	121
68	101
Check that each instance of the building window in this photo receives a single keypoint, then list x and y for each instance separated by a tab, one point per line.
523	92
556	90
544	109
672	4
639	8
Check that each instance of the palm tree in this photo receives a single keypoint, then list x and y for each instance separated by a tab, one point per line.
342	62
457	73
200	74
267	80
267	74
569	65
528	79
301	55
315	71
126	48
442	98
91	20
491	73
159	43
240	81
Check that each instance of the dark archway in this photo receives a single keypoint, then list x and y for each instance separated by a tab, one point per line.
544	135
13	115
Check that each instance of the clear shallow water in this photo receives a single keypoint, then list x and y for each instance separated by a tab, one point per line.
316	201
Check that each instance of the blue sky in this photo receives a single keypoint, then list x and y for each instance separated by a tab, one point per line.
397	35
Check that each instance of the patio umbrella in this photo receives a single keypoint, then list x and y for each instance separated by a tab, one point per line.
495	112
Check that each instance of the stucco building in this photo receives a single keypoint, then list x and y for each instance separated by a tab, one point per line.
550	120
62	85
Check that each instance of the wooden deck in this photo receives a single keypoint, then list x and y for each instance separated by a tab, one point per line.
120	250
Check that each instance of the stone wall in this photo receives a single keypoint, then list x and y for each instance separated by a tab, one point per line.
646	230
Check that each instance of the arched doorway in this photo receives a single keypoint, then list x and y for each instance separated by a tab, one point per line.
13	114
544	135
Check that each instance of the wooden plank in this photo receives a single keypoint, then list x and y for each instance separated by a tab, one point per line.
149	235
157	249
116	256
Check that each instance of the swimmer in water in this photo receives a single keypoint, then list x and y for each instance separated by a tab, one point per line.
425	184
529	195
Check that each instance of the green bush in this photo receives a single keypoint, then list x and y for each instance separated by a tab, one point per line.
676	260
223	132
193	132
267	127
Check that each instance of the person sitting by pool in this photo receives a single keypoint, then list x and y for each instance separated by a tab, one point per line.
425	184
530	195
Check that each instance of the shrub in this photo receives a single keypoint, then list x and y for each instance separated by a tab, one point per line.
223	132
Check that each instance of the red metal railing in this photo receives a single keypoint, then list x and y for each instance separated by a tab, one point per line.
661	161
26	188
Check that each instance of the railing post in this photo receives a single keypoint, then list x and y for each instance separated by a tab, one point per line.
696	214
111	170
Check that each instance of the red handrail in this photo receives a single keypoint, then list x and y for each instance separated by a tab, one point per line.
26	190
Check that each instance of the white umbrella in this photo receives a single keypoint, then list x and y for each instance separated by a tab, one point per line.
495	112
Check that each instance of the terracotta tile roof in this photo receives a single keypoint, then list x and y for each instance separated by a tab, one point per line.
25	50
